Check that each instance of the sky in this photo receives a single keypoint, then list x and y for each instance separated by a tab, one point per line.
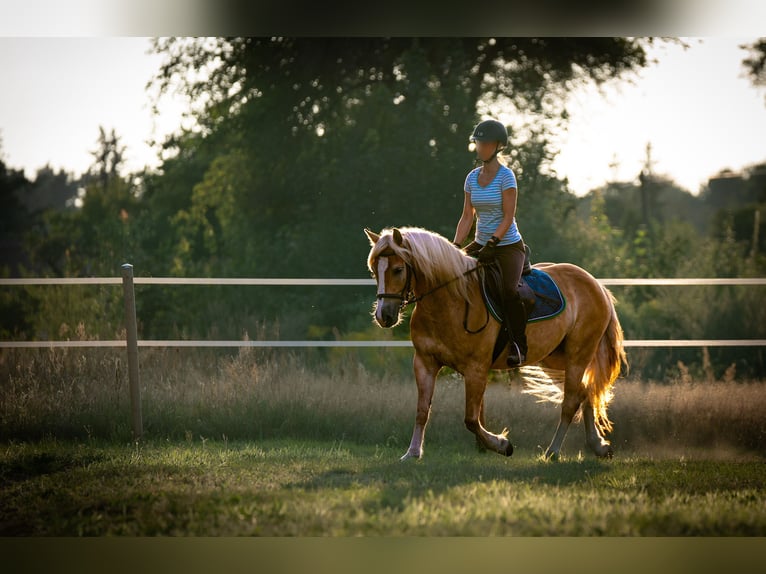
695	107
58	91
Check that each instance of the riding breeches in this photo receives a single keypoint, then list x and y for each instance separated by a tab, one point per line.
511	261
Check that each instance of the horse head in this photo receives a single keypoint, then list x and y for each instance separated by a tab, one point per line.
392	273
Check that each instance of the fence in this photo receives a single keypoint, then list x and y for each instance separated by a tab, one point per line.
132	343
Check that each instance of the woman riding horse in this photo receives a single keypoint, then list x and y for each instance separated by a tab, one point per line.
490	197
450	326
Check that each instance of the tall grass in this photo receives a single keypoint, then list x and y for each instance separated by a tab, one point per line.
257	394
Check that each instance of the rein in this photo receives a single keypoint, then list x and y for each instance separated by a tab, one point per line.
442	285
404	294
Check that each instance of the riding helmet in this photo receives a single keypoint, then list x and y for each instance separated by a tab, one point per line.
490	131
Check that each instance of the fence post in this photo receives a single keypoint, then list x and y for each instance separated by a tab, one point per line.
132	345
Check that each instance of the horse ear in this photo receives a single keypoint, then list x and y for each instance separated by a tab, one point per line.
372	236
398	237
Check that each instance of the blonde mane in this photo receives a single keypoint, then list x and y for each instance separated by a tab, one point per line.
433	258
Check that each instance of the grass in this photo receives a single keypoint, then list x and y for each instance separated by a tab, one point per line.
278	488
288	488
269	444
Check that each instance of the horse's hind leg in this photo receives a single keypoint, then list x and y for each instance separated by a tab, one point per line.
597	443
426	369
475	385
574	395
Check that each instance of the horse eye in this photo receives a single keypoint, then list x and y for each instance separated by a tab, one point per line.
398	270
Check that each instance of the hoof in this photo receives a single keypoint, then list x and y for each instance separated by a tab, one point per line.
608	454
407	455
604	451
552	456
508	449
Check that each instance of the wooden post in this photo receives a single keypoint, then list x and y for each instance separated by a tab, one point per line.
132	344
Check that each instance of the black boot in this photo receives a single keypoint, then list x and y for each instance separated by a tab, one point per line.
516	323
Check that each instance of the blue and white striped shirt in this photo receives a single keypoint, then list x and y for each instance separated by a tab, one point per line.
488	203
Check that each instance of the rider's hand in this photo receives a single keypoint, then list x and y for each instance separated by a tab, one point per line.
487	253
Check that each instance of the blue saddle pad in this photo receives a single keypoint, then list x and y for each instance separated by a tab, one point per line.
542	297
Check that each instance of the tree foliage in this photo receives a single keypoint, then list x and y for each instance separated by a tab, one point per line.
755	63
297	144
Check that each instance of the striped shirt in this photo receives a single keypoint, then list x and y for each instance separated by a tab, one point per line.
488	203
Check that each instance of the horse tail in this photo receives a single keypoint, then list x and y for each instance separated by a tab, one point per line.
598	379
605	367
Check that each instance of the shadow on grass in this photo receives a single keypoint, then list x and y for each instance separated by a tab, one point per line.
33	465
439	473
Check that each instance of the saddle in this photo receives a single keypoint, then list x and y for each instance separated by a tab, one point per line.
541	296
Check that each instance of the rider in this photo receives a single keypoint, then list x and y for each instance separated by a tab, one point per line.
490	195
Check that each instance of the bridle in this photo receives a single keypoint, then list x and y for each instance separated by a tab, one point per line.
406	294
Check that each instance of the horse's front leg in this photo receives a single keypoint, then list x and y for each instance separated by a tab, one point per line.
426	369
475	385
479	444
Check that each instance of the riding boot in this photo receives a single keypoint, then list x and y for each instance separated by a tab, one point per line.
516	323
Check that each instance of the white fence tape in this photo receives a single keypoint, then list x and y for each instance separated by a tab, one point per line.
346	282
348	344
341	282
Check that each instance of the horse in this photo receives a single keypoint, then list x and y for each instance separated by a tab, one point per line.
449	326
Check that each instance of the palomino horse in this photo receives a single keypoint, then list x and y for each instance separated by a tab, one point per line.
584	341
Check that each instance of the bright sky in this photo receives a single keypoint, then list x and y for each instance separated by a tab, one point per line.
58	91
695	107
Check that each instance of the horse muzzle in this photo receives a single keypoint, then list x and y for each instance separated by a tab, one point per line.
387	312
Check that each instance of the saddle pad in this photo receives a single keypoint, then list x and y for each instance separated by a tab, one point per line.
548	299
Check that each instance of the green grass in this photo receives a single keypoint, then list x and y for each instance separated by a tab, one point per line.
278	445
308	488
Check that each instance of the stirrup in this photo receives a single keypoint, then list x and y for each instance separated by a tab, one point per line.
515	357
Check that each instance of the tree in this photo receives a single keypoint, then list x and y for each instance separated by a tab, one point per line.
755	63
738	201
365	105
108	158
13	215
50	190
321	82
299	143
94	238
14	220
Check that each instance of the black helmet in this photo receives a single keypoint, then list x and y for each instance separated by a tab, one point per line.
490	131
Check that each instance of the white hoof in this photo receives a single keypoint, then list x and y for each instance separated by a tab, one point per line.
602	449
409	454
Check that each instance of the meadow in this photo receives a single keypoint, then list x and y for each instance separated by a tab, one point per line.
279	443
